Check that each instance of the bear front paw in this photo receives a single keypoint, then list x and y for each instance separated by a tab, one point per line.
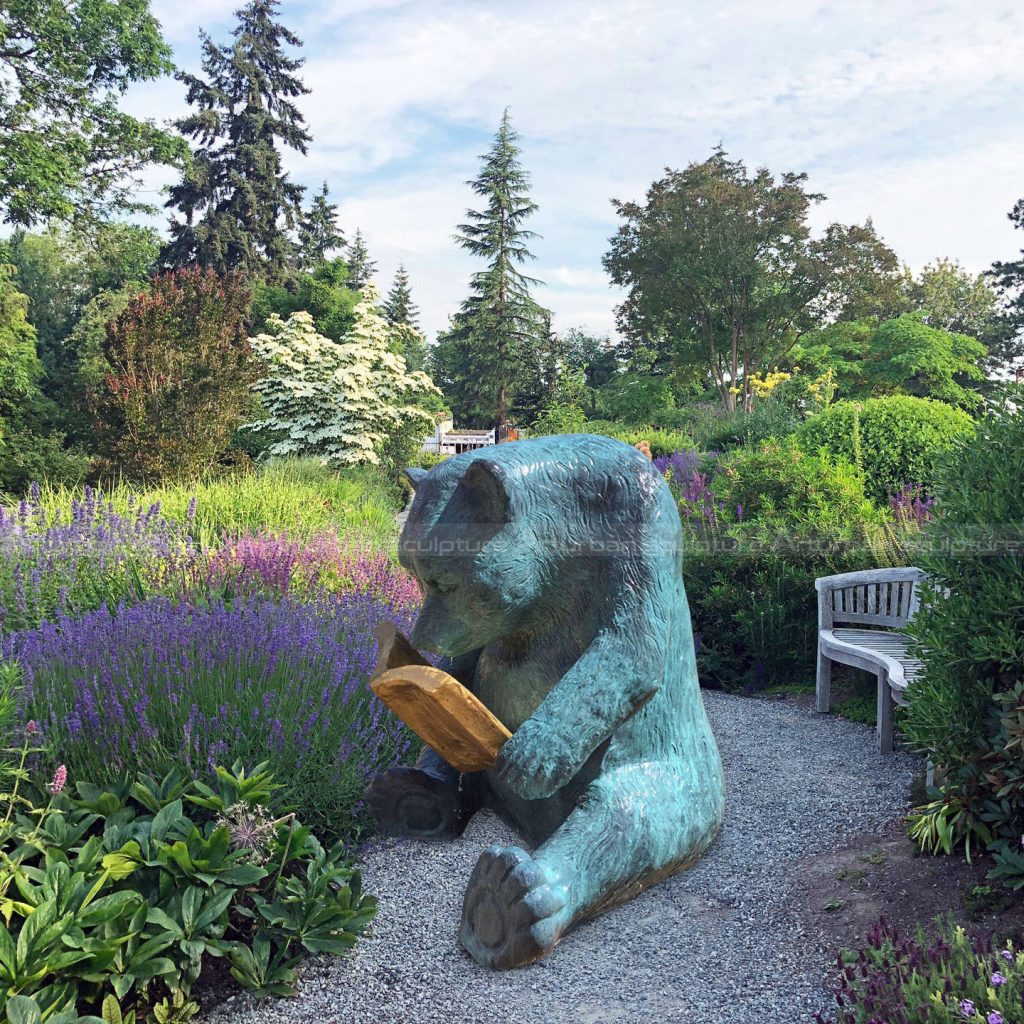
534	765
514	910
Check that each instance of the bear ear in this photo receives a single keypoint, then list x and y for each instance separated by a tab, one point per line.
486	481
414	475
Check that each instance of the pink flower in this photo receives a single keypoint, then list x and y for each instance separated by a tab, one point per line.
31	728
60	778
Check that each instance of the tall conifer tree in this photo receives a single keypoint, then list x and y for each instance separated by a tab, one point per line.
479	362
319	233
402	316
360	267
1007	349
398	305
237	203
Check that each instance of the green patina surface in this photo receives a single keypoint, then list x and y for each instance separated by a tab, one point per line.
551	570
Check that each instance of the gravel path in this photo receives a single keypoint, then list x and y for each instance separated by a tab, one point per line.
717	945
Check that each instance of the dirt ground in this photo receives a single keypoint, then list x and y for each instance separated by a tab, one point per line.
883	875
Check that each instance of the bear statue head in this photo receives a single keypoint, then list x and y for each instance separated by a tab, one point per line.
471	554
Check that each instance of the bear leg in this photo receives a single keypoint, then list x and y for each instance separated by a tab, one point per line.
633	826
429	801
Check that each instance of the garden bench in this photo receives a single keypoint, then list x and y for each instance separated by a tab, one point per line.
860	620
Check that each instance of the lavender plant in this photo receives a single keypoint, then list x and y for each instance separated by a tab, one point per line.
942	976
912	506
92	554
164	684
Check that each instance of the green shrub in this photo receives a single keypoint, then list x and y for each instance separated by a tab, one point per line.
768	419
896	440
119	897
770	521
966	709
662	442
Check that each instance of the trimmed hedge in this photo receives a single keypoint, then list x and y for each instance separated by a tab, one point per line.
895	440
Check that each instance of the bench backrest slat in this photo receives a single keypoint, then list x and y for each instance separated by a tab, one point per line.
886	598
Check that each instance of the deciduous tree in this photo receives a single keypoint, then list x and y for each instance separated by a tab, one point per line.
178	372
67	151
344	402
721	268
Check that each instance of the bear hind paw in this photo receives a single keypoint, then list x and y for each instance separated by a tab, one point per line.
514	910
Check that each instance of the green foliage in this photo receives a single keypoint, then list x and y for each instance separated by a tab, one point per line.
29	449
564	412
761	528
361	266
319	233
123	895
236	201
901	438
966	708
398	305
662	442
177	379
767	419
781	488
327	294
347	403
1007	349
479	362
953	299
403	316
938	976
635	397
20	369
728	306
905	355
67	151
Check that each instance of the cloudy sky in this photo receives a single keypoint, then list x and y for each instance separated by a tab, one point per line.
907	111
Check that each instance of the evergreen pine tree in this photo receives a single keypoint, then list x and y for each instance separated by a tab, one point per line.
319	233
479	362
360	267
401	313
1006	349
237	202
398	305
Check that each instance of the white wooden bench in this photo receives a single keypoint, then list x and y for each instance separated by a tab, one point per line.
860	620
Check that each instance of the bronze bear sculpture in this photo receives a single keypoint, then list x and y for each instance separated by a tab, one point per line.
551	571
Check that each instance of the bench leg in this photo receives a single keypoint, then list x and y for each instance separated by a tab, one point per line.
823	685
883	727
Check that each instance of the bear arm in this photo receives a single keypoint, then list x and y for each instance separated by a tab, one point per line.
613	679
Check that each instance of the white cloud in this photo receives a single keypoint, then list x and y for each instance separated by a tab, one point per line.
898	110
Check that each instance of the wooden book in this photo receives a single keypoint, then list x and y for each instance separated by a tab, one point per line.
435	705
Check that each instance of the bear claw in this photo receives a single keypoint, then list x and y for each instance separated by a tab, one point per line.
513	910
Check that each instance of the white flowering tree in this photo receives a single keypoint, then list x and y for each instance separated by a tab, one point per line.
340	401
